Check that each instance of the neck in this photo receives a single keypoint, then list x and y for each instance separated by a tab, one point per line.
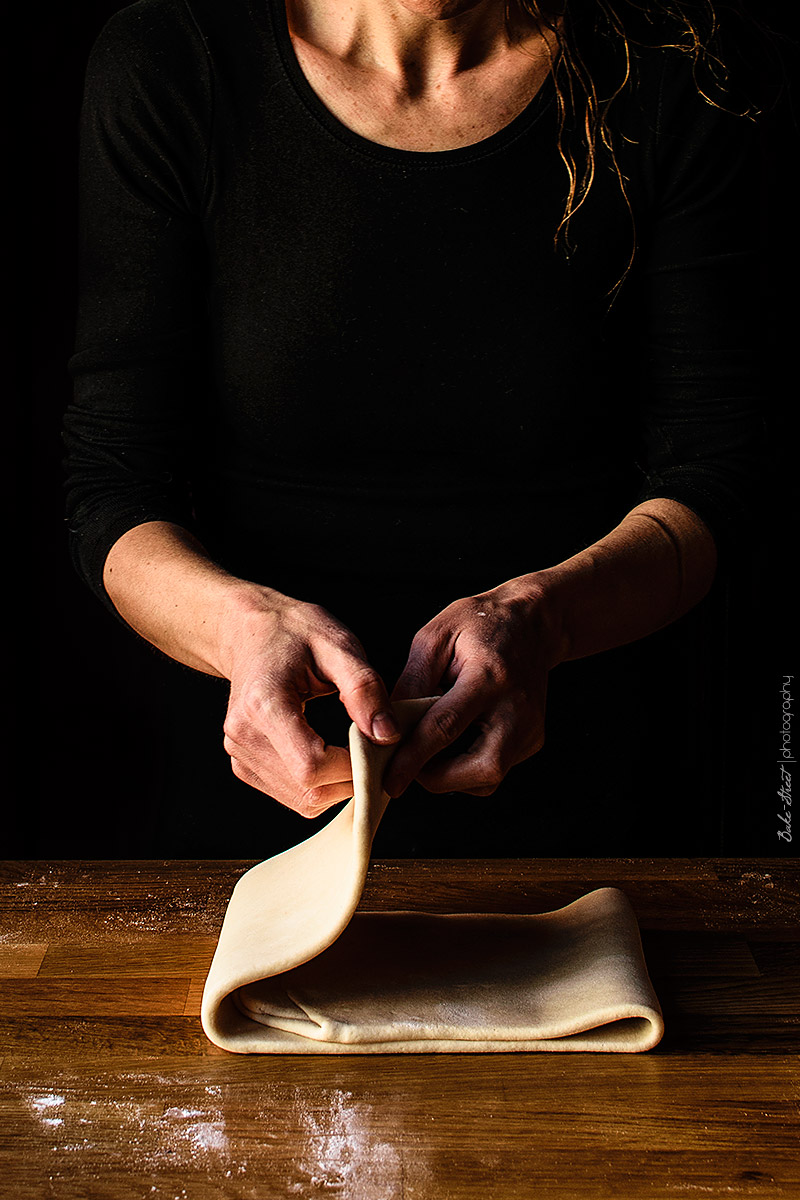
420	43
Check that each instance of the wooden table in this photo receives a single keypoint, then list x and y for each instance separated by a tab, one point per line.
110	1088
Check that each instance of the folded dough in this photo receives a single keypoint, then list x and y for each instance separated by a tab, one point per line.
298	971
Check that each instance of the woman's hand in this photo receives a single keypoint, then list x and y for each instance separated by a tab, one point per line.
277	653
280	653
489	656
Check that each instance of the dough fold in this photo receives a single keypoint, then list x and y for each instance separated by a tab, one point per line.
298	971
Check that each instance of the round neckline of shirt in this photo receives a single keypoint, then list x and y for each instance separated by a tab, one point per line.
424	159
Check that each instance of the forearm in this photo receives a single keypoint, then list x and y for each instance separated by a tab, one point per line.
164	585
648	571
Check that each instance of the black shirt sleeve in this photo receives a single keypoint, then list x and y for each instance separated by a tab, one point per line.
137	364
702	424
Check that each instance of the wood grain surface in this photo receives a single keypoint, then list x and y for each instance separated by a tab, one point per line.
110	1090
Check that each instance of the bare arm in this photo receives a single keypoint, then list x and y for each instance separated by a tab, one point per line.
656	565
277	652
163	583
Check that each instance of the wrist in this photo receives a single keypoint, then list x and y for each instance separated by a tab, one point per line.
246	615
537	598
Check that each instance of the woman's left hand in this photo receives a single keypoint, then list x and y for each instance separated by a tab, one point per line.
488	656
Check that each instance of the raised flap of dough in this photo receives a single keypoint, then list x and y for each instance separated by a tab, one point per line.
296	970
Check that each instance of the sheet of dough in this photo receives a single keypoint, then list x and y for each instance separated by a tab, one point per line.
298	971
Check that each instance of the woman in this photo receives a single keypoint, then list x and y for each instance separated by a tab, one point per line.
408	314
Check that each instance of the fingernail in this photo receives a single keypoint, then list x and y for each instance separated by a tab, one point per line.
384	728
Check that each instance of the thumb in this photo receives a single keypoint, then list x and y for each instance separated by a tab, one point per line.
362	692
422	675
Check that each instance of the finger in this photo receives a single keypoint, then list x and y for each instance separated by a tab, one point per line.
309	803
362	692
427	662
274	739
479	771
444	721
503	741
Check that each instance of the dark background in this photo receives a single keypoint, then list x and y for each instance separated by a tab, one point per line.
103	770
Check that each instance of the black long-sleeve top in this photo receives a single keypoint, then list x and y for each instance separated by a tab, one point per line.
366	377
331	358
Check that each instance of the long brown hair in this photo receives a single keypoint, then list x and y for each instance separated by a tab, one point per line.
696	29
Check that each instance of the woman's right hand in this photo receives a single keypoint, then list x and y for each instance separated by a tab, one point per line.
278	653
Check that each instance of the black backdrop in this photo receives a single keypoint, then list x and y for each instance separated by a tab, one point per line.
97	761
